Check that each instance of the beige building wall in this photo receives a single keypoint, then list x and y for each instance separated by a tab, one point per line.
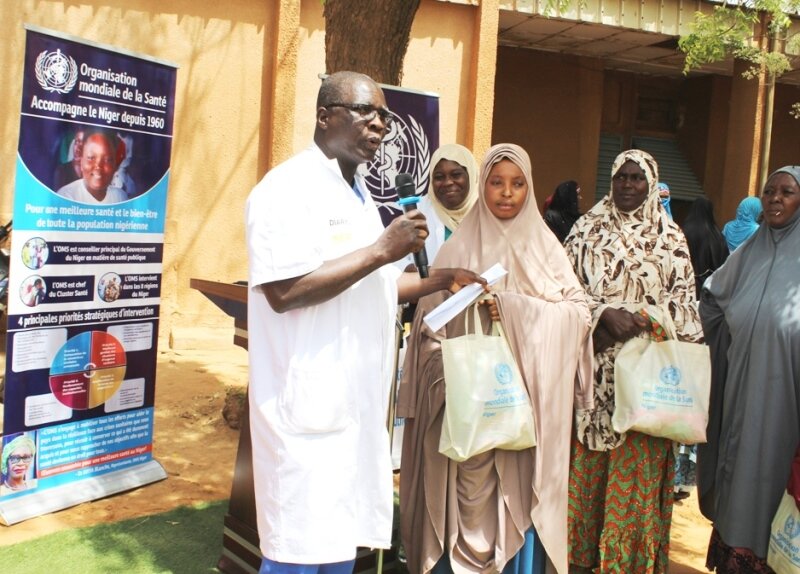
556	105
219	51
246	87
551	105
440	57
743	144
785	148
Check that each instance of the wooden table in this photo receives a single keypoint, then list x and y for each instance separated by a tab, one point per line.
240	553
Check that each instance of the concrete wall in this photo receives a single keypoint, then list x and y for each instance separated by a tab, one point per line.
619	105
549	105
742	144
556	105
694	103
719	137
714	169
785	145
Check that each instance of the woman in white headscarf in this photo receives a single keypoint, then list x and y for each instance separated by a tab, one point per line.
627	254
500	510
751	316
452	191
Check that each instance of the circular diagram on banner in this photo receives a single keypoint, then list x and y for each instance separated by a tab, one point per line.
87	370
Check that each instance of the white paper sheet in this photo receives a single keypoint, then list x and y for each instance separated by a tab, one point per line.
439	317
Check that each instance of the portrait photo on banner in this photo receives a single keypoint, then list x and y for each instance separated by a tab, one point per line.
112	164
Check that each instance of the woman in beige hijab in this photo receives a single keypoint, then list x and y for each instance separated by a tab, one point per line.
500	510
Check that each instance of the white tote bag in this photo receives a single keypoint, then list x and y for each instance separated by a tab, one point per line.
487	405
783	554
662	388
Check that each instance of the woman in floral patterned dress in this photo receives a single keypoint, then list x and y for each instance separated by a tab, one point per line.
628	254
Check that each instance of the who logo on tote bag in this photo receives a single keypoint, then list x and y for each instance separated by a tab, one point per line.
783	555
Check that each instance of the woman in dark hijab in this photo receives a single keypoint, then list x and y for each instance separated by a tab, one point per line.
708	251
563	212
751	322
707	245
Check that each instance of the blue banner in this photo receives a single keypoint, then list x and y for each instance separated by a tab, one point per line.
84	288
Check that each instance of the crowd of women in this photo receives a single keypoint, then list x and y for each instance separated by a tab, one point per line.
587	498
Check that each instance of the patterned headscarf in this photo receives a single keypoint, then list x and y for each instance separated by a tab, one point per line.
462	156
13	445
650	213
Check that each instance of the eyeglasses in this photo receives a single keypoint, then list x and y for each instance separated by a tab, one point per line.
367	112
632	177
16	458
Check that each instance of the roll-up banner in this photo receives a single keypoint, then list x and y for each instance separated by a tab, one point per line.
92	175
406	148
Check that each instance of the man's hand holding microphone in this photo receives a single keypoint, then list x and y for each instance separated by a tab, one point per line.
410	230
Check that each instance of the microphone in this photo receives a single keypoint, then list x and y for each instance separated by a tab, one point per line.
404	184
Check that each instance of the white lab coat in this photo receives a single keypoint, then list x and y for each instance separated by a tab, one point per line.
320	375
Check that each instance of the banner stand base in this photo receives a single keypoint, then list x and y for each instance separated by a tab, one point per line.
50	500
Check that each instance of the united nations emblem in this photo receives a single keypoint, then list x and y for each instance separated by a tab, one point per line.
405	149
56	72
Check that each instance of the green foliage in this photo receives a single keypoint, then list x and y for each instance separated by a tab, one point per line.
729	31
775	62
724	32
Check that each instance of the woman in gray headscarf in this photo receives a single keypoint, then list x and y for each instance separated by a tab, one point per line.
750	311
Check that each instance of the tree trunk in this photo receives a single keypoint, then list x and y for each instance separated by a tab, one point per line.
368	36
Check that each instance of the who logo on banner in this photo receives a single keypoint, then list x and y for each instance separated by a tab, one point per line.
407	148
56	71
